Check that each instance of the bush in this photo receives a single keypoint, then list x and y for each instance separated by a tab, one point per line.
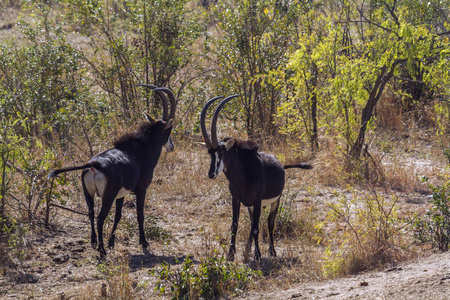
368	233
12	242
116	273
213	278
434	228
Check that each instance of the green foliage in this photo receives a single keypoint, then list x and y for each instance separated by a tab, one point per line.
368	233
303	78
352	57
213	278
43	81
253	38
434	228
44	102
12	242
144	41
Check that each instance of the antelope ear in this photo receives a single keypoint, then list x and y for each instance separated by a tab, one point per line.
201	144
149	118
229	144
169	123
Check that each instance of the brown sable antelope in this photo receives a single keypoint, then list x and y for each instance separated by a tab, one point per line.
256	179
126	168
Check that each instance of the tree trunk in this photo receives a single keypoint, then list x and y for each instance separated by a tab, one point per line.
314	134
383	78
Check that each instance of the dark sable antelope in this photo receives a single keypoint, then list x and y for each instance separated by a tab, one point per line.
256	179
126	168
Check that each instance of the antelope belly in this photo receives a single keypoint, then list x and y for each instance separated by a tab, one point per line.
122	193
266	202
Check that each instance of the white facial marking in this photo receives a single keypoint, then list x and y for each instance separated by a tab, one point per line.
168	146
219	165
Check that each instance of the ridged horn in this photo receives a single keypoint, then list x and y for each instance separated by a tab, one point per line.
206	138
161	96
173	102
215	141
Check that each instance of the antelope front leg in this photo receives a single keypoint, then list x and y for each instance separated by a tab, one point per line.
254	232
234	226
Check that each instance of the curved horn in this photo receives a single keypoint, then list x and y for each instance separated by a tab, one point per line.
206	138
161	96
214	139
173	102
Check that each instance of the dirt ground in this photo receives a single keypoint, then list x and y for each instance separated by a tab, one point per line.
61	263
424	278
64	266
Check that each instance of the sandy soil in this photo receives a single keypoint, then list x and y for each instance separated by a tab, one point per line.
62	265
425	278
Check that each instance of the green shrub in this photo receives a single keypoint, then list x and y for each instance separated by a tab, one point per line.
434	228
12	241
213	278
367	233
116	273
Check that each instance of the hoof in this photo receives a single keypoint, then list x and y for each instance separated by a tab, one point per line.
144	244
272	252
111	242
94	242
230	257
101	250
257	256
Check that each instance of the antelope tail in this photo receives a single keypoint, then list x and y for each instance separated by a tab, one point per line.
55	172
300	165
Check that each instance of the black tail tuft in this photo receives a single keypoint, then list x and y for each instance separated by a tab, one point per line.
52	174
300	165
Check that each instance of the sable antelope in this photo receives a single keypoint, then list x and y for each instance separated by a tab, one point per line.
256	179
126	168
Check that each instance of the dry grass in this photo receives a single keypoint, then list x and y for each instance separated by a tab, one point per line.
196	212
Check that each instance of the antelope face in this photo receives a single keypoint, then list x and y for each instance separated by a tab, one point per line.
167	138
216	165
166	128
168	146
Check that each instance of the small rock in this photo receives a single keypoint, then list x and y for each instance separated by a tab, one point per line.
61	258
80	249
363	283
27	278
103	290
296	296
332	295
394	269
446	277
